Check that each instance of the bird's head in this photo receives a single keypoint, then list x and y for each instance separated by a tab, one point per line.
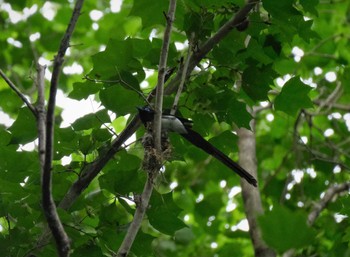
146	114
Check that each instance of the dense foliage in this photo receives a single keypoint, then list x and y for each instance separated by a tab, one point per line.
289	65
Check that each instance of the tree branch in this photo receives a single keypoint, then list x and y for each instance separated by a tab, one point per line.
41	113
343	107
135	225
142	204
329	195
161	74
18	92
332	192
235	21
50	211
331	101
332	98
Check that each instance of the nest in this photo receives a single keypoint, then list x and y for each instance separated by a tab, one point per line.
153	160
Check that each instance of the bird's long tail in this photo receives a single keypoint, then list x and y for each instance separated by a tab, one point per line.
197	140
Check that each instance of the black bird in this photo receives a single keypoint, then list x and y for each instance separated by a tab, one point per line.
171	123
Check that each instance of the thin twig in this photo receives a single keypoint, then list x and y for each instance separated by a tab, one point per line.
329	195
324	41
41	118
18	92
142	203
49	206
342	107
131	87
121	81
332	98
183	77
161	75
41	125
135	225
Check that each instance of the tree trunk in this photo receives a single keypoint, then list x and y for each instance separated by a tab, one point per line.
251	195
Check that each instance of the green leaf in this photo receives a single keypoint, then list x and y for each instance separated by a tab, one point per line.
184	236
200	24
24	129
293	97
274	43
12	163
209	206
132	26
123	177
163	213
202	122
113	215
128	81
283	229
257	82
18	4
226	141
86	145
346	237
5	137
280	9
285	66
101	135
323	165
120	100
87	250
262	55
84	90
310	6
142	245
92	120
118	56
150	13
192	22
289	21
345	203
141	47
152	58
236	112
66	142
119	124
12	103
